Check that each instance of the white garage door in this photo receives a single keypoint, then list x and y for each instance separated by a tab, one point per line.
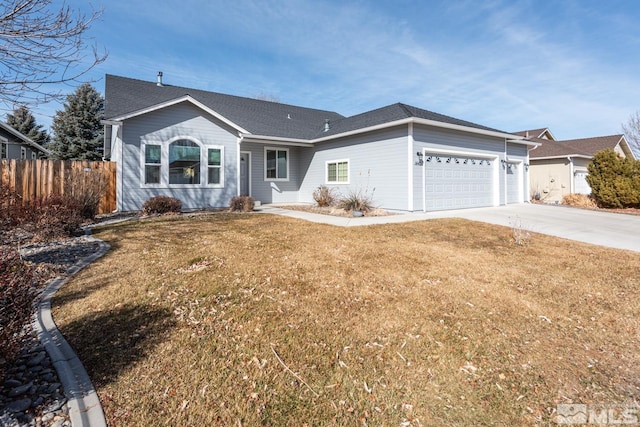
456	182
513	183
581	184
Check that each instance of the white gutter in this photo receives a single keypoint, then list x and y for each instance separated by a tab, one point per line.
581	156
410	120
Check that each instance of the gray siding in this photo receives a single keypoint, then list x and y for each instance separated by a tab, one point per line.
377	166
182	120
270	191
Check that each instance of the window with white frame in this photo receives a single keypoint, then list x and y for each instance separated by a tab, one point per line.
338	172
34	156
23	153
214	166
182	162
276	164
4	150
152	163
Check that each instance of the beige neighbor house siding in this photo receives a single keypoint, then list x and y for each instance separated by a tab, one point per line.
550	180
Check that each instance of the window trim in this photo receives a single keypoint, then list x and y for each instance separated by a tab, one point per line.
221	167
145	164
164	163
336	162
4	150
23	153
276	149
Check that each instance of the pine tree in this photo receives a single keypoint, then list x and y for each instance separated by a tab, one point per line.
23	121
77	132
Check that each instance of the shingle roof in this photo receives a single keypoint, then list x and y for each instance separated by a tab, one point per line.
572	147
124	96
392	113
531	133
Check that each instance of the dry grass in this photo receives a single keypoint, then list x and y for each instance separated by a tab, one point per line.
579	200
254	319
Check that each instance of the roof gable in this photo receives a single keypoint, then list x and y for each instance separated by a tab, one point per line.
583	147
542	133
24	139
124	96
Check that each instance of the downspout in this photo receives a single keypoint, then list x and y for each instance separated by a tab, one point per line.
238	155
571	178
410	168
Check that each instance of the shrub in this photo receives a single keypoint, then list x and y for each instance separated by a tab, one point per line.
86	188
242	204
579	200
356	200
614	181
324	196
17	295
161	205
57	216
10	207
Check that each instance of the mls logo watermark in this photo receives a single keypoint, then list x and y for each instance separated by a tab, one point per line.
575	413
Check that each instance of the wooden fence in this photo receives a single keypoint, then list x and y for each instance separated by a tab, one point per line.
32	179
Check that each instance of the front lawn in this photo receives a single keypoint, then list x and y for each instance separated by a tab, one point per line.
255	319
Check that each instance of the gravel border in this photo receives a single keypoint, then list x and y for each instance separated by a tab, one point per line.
83	403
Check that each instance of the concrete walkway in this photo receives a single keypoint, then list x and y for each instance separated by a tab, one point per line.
613	230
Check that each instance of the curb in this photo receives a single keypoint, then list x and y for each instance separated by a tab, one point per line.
82	400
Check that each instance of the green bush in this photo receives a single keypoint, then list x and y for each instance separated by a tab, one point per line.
159	205
17	295
324	196
614	181
242	204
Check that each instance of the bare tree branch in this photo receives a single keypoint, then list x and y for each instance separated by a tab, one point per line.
41	45
632	132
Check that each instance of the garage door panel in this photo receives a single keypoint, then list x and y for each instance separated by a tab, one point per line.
457	182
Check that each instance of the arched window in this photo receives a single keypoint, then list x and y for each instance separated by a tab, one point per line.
184	162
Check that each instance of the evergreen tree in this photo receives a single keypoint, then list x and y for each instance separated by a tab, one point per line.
77	132
23	121
614	181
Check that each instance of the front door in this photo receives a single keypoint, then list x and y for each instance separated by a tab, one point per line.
245	174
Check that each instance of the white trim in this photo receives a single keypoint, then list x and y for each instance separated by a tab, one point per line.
493	157
25	138
514	139
326	172
164	163
207	166
410	154
519	165
571	175
23	152
175	101
276	149
578	156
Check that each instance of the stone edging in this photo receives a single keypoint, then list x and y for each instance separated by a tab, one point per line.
82	400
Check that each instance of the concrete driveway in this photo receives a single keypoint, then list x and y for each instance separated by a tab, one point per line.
599	228
614	230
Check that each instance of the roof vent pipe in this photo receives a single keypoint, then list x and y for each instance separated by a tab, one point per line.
159	78
326	125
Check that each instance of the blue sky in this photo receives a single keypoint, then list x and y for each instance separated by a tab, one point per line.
572	66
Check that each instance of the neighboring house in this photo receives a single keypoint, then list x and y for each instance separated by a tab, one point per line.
559	168
14	145
205	148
